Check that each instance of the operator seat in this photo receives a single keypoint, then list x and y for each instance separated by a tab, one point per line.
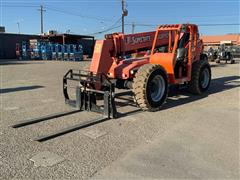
182	52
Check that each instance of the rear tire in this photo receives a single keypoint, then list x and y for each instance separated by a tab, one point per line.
150	87
201	77
232	61
212	60
204	57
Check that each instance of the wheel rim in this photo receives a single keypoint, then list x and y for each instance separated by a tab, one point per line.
157	88
205	78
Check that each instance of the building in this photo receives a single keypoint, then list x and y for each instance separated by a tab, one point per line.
215	41
8	42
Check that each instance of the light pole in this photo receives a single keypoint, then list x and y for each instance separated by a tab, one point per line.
1	9
18	24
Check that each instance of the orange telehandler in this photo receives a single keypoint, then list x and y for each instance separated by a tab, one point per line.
171	55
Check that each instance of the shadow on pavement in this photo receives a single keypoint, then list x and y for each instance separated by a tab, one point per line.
217	85
218	65
24	88
180	97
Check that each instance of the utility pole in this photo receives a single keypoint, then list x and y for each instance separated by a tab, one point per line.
18	23
133	27
41	14
124	13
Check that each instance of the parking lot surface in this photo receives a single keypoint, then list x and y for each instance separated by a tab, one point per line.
191	137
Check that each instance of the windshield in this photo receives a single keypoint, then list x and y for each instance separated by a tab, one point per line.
165	42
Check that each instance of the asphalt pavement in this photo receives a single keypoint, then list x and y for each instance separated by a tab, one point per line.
192	137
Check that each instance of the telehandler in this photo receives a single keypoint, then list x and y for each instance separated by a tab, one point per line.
171	55
225	54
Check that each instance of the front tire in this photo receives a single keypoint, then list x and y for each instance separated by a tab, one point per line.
201	77
150	87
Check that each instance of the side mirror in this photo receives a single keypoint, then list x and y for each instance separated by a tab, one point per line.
181	53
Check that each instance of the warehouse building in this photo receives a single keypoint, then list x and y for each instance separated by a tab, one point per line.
8	42
215	41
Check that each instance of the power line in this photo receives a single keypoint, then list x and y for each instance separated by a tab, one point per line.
76	14
151	25
229	24
103	19
113	26
101	32
224	24
135	1
24	6
187	18
60	11
89	17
